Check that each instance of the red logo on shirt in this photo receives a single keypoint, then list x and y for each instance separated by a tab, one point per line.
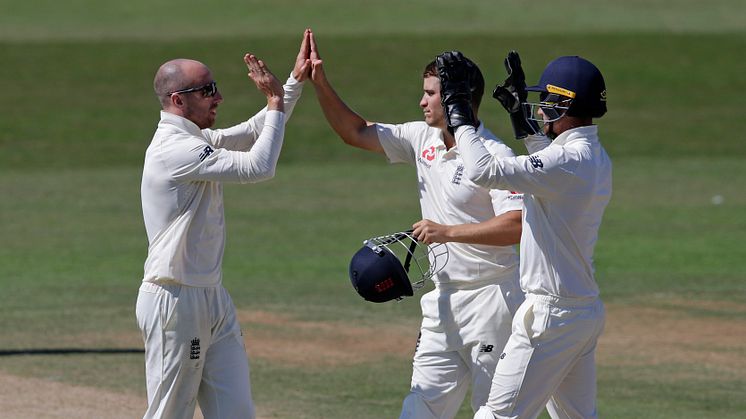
429	153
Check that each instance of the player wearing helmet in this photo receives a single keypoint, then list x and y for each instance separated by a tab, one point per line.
566	181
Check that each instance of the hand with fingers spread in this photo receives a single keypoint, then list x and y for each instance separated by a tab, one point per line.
265	81
512	95
302	68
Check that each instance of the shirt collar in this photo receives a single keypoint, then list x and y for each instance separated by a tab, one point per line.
588	132
180	122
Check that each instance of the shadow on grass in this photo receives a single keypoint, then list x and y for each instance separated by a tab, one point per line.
70	351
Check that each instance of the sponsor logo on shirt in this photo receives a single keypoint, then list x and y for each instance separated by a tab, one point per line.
458	174
536	162
424	163
429	153
515	196
205	152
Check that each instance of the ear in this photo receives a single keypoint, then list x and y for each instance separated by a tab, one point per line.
177	101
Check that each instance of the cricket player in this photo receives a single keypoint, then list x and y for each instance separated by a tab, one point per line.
566	181
466	318
194	348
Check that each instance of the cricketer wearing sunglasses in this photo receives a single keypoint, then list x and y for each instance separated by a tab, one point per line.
194	348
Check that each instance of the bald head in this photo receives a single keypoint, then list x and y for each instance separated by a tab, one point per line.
175	75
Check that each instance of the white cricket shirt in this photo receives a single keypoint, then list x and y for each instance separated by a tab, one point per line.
448	197
566	185
182	194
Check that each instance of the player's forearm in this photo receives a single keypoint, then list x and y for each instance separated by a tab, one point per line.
259	164
499	231
343	120
293	89
481	166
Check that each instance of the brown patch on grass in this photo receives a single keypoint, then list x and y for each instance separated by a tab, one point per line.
37	398
280	338
676	332
658	333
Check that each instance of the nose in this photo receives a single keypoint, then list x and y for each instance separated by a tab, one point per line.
423	102
218	97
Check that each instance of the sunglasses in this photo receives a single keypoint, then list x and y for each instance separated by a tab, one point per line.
208	90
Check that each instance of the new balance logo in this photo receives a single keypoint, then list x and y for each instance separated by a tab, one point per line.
486	348
535	161
205	152
458	175
194	350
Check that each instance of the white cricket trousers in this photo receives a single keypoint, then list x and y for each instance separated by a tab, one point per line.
549	361
461	338
194	351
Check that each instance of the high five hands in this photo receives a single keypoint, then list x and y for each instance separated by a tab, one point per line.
265	81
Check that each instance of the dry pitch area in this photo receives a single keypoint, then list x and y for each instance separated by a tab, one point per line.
636	335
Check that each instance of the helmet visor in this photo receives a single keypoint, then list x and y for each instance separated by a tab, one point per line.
550	108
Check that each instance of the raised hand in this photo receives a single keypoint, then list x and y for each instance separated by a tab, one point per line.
317	64
302	68
264	80
455	91
512	95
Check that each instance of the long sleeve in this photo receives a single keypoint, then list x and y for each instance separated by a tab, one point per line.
194	159
545	173
242	137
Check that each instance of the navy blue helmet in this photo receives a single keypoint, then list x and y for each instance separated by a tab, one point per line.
571	85
378	274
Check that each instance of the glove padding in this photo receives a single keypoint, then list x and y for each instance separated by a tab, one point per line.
455	91
512	95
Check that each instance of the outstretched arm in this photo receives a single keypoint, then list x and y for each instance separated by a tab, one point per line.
351	127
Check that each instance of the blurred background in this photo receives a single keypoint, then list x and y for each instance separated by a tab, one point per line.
79	113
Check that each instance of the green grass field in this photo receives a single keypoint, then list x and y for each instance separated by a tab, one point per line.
79	113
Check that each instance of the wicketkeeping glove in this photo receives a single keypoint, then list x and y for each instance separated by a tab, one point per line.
512	95
455	94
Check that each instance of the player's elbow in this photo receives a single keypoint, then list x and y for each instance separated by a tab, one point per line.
266	174
478	175
258	174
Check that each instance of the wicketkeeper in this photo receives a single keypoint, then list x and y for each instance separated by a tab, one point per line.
566	182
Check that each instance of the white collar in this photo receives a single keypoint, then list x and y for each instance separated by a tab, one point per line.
180	122
588	132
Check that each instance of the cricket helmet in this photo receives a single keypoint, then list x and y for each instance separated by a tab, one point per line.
378	274
570	85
